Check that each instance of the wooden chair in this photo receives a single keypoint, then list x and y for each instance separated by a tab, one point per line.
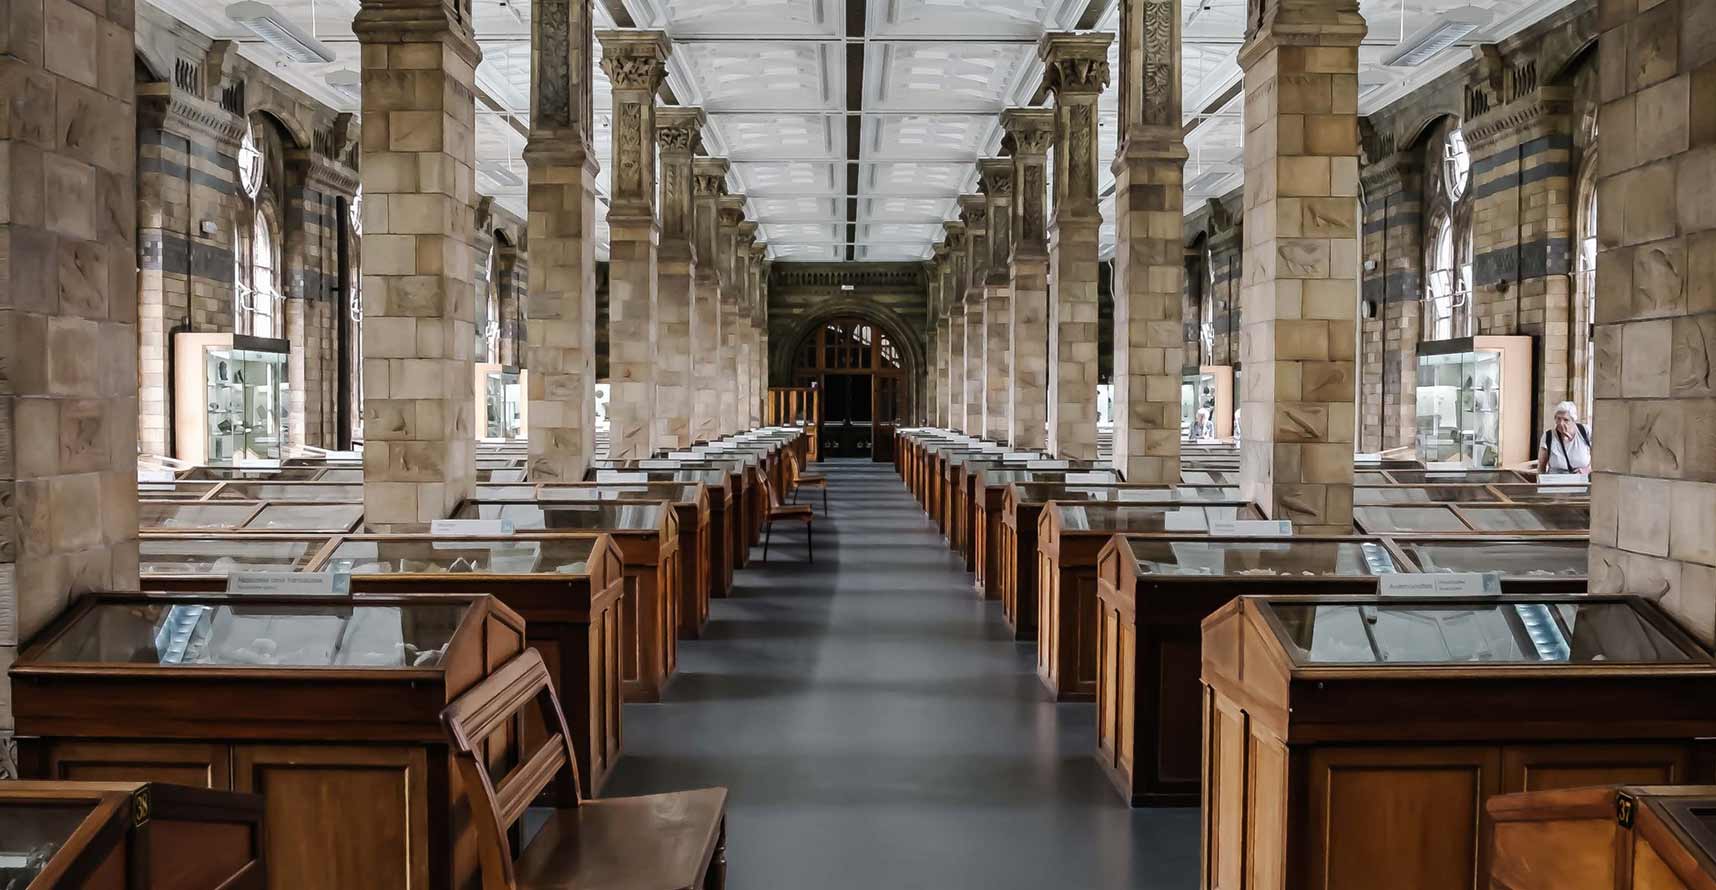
779	512
801	479
673	841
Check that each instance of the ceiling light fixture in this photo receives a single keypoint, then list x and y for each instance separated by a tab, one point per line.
277	31
1447	31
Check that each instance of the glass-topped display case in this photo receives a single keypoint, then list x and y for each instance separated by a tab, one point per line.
1413	712
569	516
1378	495
1474	401
1534	565
501	403
331	704
1445	477
106	835
260	516
340	492
230	398
203	562
1152	593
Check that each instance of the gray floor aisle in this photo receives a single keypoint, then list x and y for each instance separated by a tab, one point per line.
878	729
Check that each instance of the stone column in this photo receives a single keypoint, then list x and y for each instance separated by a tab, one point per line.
974	212
1653	517
1149	252
1031	132
1393	225
636	64
732	212
560	335
1075	70
1300	290
676	130
933	375
760	330
745	360
953	287
996	176
68	317
419	66
710	176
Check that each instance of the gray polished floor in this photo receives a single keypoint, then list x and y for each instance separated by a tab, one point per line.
878	729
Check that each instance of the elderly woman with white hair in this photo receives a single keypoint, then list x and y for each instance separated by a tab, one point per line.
1566	447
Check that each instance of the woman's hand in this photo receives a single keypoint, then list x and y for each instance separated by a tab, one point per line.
1584	471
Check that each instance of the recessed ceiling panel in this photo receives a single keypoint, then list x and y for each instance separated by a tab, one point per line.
781	136
930	76
1023	19
798	209
788	177
766	75
752	18
908	178
928	136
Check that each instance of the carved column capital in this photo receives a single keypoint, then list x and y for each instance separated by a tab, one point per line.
676	131
708	175
1030	130
635	62
1075	62
996	175
418	21
635	59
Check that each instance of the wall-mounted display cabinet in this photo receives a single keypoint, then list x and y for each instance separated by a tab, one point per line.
1352	742
230	398
330	706
1474	401
128	836
502	404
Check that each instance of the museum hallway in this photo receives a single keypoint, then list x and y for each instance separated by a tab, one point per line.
878	728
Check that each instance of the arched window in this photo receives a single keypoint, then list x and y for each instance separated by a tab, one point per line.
1206	307
249	163
1585	285
263	315
1447	299
258	307
491	310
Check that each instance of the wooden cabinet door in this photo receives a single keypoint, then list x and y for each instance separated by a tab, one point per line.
1547	767
1398	817
194	764
341	817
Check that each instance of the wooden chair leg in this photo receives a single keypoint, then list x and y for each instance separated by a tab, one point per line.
768	529
825	500
810	542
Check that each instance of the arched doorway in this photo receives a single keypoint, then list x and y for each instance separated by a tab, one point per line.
861	372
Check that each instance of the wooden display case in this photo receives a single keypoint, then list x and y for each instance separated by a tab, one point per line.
648	539
129	836
1351	742
1069	537
566	588
1153	594
1659	837
733	514
330	706
186	563
690	502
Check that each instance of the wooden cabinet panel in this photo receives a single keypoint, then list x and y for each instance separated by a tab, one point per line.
1402	818
1547	767
1650	872
192	764
1266	826
1561	855
1177	748
1224	791
341	816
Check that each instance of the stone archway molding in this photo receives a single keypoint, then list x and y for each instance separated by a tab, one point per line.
783	351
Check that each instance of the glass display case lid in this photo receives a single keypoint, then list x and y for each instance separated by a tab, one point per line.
351	475
222	556
677	492
571	516
1209	477
454	556
1377	495
1529	517
1490	630
175	491
1427	518
1143	518
1265	557
306	517
193	515
486	491
32	832
1531	493
220	632
333	492
269	474
1454	476
1370	478
1536	558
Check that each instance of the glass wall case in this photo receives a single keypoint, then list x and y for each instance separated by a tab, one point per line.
501	402
1474	401
230	399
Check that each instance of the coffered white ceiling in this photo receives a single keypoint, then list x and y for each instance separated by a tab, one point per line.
854	144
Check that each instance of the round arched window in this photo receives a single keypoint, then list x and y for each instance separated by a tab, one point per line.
249	163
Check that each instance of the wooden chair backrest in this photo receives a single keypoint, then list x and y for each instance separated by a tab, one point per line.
793	471
491	709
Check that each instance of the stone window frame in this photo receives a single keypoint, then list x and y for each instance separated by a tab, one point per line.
1584	275
258	213
1447	225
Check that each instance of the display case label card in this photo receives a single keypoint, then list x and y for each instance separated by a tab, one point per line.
1440	584
658	464
619	476
1183	521
1452	465
1048	465
1021	455
290	583
1145	495
682	455
471	527
1252	528
1367	457
1562	479
1086	478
